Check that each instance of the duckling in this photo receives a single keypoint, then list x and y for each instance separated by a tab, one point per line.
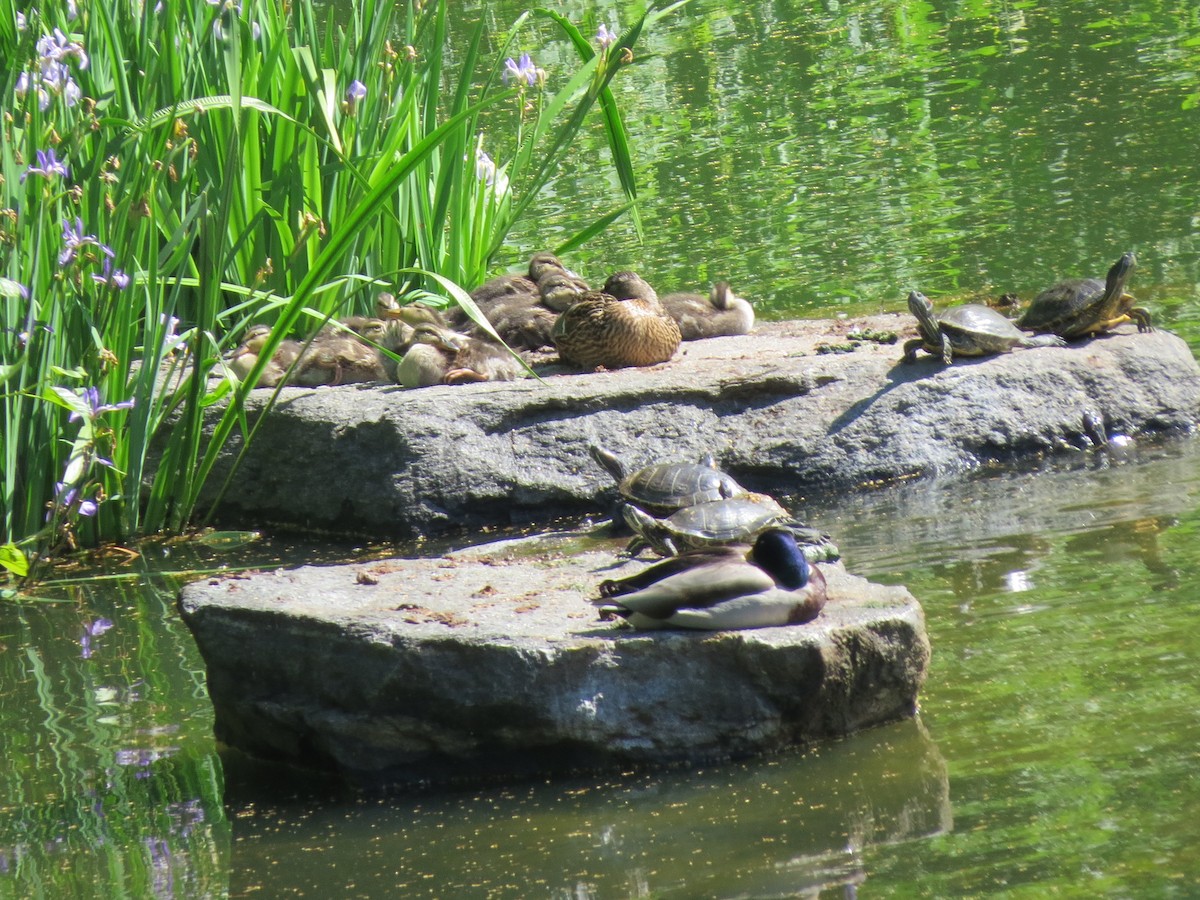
522	323
336	357
243	359
560	290
623	325
721	588
411	314
401	328
505	287
722	312
441	356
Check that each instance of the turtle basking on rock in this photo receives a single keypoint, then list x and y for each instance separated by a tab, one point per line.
967	330
726	521
662	488
1087	306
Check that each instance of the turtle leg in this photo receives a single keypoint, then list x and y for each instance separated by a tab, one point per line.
911	348
947	350
1141	315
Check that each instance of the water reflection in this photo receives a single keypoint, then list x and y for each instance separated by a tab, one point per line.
788	826
111	784
836	155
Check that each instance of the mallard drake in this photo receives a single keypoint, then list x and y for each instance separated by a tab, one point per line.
623	325
722	312
441	356
343	357
719	588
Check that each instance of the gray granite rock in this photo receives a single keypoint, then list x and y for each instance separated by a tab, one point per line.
492	662
386	462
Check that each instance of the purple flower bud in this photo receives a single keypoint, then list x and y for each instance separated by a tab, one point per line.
605	38
355	94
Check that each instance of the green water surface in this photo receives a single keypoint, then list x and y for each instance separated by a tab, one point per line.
823	157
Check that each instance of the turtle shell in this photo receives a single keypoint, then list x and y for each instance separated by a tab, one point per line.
728	520
665	487
980	328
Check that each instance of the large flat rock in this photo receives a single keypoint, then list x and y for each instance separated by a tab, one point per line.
385	462
492	662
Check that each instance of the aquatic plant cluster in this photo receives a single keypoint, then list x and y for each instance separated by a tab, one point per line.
272	168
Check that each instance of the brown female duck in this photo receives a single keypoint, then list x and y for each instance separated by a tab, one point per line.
623	325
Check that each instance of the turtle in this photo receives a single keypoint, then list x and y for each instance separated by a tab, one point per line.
967	330
662	488
730	520
1087	306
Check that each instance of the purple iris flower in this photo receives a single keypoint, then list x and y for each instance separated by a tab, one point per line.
66	497
605	38
74	238
355	94
111	277
525	69
94	408
47	166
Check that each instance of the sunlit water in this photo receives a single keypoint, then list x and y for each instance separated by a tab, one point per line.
822	157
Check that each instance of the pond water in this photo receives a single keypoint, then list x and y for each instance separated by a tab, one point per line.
823	157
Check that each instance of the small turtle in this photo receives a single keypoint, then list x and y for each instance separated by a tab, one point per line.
727	521
1084	306
662	488
967	330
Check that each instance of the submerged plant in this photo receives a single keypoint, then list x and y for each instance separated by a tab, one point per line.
171	173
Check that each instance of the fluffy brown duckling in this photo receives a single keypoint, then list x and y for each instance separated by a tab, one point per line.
722	312
623	325
441	356
506	287
243	359
560	290
344	357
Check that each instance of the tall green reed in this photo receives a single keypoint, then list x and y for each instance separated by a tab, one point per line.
173	173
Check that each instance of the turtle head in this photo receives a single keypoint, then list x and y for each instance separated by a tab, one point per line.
1114	284
921	308
608	461
776	552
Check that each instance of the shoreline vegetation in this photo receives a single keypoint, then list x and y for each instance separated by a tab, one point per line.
172	174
